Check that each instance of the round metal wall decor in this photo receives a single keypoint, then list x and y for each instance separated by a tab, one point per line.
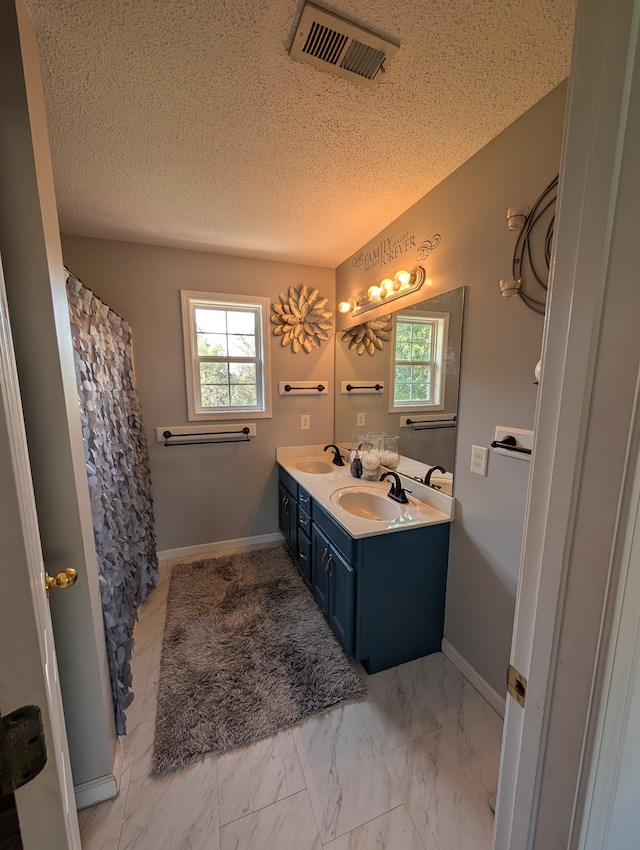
301	319
369	336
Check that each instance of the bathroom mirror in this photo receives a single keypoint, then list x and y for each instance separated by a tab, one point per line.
431	440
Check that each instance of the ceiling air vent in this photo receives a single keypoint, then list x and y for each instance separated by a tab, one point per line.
332	44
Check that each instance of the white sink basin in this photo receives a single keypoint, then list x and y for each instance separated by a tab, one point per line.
317	467
366	504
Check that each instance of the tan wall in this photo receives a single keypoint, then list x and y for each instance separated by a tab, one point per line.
205	494
501	345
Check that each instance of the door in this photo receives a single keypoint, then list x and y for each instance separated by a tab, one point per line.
34	280
586	443
286	518
321	550
341	598
28	666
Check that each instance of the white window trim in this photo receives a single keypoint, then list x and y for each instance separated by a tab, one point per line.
441	358
191	299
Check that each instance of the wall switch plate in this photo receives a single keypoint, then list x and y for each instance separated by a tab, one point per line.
305	422
479	456
359	420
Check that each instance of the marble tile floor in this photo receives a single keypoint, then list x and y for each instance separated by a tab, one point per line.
410	768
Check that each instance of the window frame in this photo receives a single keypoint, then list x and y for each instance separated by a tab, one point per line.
190	300
441	322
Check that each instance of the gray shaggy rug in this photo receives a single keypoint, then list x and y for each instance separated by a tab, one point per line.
246	652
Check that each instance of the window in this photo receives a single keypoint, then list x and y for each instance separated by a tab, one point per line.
418	375
226	355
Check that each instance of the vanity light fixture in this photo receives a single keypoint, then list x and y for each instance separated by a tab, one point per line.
403	283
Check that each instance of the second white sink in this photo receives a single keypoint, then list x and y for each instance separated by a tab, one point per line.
365	504
317	467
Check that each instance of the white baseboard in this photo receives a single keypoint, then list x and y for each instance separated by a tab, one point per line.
202	548
97	791
495	700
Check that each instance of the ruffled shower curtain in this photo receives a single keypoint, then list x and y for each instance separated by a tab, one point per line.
118	474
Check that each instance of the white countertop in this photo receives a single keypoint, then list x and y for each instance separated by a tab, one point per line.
426	505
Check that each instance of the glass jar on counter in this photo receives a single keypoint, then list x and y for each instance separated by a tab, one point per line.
370	456
390	455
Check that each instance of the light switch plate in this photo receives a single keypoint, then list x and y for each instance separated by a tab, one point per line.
479	456
359	420
305	422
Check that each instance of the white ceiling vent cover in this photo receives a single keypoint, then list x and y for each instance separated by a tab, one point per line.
332	44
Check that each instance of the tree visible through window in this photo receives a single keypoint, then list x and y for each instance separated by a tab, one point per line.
418	356
224	342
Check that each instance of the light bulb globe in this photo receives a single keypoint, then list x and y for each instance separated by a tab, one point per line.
402	278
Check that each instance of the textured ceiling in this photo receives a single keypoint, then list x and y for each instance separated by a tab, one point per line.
187	123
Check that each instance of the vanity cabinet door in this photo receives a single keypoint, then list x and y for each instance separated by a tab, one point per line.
341	598
333	582
287	518
320	551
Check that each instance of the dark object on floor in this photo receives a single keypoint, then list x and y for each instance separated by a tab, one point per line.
246	653
9	826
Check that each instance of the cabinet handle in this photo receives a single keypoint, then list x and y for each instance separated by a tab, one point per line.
327	568
305	501
301	556
303	522
324	555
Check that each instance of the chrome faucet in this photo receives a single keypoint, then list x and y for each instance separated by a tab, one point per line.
427	478
337	457
397	491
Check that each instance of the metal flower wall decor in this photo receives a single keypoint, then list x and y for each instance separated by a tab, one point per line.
301	319
369	336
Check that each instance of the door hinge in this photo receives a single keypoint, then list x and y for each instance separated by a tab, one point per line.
22	749
516	685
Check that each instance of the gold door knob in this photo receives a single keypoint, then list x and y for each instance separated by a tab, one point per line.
63	579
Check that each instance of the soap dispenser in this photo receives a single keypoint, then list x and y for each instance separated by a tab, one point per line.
356	460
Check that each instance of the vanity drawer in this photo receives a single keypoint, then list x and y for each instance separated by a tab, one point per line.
337	535
288	482
304	500
304	520
304	555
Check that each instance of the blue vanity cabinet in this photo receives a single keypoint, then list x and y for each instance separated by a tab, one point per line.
386	593
383	595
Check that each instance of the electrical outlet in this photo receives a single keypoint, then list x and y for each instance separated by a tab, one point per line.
359	420
479	457
305	422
